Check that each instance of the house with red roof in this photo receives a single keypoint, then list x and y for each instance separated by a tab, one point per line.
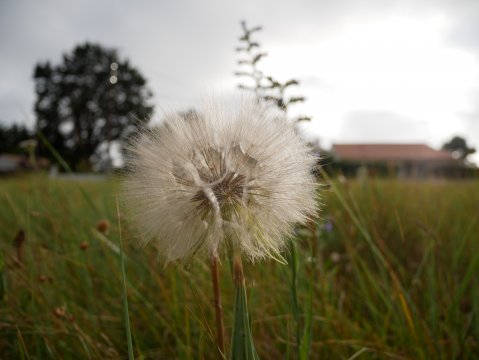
402	160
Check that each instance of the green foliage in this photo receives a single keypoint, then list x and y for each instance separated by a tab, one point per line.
11	137
394	265
458	147
89	100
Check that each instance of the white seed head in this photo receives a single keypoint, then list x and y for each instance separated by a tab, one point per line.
229	172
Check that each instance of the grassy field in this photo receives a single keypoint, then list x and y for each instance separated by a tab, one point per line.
391	269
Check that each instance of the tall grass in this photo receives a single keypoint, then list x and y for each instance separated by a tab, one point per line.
394	265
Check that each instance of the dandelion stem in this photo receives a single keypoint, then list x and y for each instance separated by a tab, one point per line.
215	277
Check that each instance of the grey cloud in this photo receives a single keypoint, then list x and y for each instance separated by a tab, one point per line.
381	126
184	48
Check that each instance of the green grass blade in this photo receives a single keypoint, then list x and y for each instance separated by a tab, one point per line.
356	220
242	346
54	152
22	348
2	276
307	337
293	288
125	298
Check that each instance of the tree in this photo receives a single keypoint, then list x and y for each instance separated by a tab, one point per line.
265	87
457	146
11	138
88	102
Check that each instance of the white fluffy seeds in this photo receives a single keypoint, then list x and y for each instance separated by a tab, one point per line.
236	173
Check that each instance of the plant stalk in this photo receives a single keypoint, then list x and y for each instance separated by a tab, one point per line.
220	332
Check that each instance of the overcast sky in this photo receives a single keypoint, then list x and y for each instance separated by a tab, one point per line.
372	71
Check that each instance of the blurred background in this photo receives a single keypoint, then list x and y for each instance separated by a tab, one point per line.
83	74
385	92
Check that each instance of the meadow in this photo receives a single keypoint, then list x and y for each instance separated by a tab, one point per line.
389	270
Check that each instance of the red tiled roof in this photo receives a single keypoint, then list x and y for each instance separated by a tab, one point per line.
387	152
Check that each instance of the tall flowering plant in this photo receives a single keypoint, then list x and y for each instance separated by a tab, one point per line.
228	177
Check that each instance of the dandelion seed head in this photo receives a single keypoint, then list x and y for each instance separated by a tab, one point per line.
228	172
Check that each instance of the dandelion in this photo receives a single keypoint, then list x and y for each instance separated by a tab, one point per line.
240	174
226	177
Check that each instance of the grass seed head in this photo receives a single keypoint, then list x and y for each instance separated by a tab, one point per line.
103	226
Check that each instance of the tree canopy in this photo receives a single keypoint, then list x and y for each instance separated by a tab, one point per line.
88	101
11	138
458	147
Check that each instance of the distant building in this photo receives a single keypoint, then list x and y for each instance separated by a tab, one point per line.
402	160
14	163
8	165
